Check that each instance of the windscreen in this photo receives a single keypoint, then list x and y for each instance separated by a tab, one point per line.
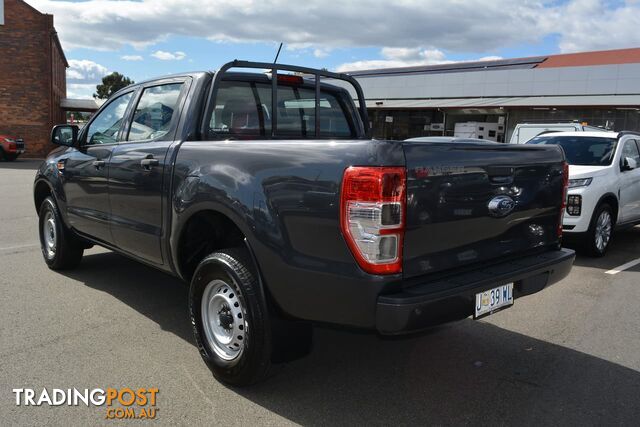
243	109
582	150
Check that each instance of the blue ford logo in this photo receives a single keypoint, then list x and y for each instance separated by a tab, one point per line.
501	206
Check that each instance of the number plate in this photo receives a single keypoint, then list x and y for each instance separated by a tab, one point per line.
490	301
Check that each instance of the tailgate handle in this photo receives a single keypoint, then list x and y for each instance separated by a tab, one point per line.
501	174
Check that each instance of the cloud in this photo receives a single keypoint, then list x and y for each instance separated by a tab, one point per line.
85	71
406	25
81	90
321	53
169	56
131	58
590	25
405	57
475	25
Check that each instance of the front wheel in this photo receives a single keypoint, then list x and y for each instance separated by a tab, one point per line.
60	248
600	231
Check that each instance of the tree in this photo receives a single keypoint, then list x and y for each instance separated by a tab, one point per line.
111	84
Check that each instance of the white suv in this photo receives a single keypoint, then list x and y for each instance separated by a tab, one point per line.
604	183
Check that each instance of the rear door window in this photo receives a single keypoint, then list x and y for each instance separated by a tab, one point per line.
243	109
154	112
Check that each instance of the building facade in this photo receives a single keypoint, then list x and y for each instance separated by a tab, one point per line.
598	88
32	76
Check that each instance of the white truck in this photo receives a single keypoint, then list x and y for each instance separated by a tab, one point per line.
523	132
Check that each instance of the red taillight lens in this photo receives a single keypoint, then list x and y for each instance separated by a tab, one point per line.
372	210
13	146
565	188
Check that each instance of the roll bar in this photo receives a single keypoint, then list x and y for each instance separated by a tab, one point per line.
274	67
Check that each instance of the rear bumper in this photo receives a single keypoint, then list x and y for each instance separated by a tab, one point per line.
453	298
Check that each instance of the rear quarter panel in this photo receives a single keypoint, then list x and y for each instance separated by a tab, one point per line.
285	197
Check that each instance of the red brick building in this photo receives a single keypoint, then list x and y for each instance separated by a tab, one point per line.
32	76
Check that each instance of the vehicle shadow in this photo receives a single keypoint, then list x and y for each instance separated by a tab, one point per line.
469	372
624	247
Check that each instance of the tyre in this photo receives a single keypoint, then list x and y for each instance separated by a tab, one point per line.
10	157
600	231
230	318
60	248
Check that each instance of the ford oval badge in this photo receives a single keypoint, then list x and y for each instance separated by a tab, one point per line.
501	206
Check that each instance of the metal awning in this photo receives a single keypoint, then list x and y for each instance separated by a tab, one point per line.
89	105
525	101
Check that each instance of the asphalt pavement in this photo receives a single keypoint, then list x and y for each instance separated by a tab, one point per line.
568	355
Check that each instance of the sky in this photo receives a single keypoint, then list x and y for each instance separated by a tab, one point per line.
148	38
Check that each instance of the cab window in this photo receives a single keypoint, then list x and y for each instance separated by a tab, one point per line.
155	112
104	128
243	109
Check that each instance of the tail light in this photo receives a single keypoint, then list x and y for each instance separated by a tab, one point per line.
565	188
13	146
372	210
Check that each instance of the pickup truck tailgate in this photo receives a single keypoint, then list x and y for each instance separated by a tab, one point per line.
476	203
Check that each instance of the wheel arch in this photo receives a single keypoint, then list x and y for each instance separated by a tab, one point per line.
41	190
204	231
612	200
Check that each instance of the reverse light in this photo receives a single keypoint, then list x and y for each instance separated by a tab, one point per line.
372	210
574	204
565	188
582	182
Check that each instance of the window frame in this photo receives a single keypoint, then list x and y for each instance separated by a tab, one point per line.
85	130
171	133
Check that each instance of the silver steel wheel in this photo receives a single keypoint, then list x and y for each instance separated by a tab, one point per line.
49	234
603	230
223	317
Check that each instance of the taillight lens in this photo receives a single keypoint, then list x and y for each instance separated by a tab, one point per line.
373	207
565	189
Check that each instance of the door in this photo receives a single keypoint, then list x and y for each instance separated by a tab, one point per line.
85	174
630	183
137	171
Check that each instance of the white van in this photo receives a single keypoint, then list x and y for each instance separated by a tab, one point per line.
523	132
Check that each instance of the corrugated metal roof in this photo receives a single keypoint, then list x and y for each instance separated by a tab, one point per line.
455	67
524	101
603	57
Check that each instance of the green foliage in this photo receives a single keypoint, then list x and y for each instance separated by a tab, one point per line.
111	84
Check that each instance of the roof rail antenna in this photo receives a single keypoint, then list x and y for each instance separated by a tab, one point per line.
278	54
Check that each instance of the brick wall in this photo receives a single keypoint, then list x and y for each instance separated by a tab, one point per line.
30	96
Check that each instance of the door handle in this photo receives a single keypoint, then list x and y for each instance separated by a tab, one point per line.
149	163
98	164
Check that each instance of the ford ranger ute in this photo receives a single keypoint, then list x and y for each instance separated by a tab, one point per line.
261	188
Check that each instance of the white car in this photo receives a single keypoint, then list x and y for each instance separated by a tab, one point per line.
604	184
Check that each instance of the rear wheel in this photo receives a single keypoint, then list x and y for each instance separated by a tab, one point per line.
230	318
60	248
600	231
236	331
10	157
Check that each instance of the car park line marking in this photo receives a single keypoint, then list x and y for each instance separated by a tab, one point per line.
10	248
623	267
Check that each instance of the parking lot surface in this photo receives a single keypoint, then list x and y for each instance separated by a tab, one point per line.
567	355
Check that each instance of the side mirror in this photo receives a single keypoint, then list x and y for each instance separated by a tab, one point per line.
66	135
628	164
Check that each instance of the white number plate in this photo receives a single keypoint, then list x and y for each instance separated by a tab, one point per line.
494	299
